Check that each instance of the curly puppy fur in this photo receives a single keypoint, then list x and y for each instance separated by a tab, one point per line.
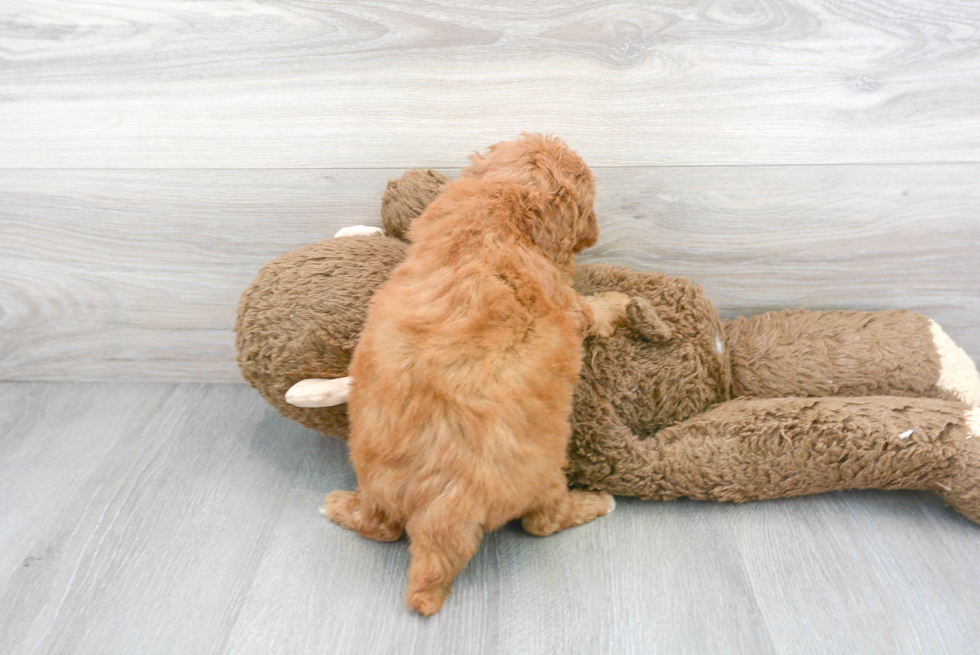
465	370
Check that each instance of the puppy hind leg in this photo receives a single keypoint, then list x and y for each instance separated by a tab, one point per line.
564	509
353	511
441	545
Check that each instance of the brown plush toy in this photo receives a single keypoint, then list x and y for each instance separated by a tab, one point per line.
678	404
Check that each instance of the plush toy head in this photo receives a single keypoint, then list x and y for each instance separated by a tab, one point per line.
301	317
407	197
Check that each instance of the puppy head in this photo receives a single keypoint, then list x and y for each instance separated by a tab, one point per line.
563	223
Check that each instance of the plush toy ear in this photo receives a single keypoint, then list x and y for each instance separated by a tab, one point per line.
645	321
407	197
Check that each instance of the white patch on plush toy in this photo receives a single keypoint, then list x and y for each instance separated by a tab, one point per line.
719	345
906	434
958	374
973	422
358	231
315	392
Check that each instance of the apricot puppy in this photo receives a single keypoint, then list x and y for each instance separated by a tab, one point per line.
463	375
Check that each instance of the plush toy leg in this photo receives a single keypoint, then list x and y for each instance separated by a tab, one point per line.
757	449
319	393
845	353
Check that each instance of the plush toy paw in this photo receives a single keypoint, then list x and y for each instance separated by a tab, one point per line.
359	231
315	392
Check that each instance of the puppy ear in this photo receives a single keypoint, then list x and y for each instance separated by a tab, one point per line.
587	231
548	225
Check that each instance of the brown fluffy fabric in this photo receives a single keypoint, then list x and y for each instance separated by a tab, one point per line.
801	353
651	414
756	449
406	197
302	315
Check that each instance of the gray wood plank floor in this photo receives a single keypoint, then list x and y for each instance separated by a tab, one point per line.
182	518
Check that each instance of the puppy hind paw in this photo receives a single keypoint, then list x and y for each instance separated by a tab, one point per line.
574	509
316	392
338	507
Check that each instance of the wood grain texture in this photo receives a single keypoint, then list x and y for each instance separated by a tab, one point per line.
563	594
156	549
136	274
402	83
813	563
40	474
189	525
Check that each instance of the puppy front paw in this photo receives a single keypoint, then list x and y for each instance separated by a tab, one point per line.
610	311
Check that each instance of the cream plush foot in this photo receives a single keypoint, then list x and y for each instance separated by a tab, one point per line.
958	374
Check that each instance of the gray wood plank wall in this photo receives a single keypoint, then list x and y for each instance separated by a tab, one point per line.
784	153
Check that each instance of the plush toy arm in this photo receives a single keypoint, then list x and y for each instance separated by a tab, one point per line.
316	392
848	353
359	231
754	449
